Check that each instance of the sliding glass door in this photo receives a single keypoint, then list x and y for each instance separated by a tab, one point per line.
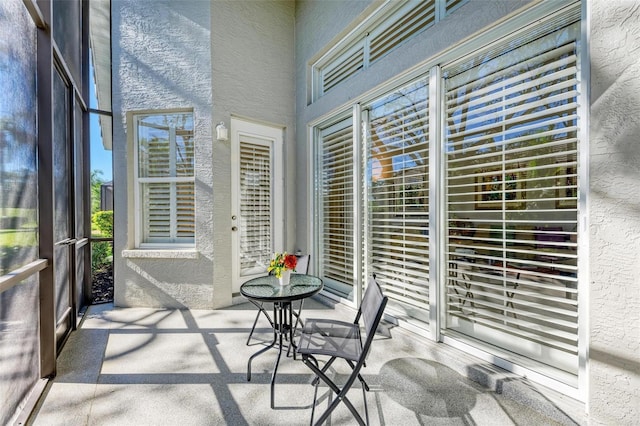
336	233
459	190
397	202
511	181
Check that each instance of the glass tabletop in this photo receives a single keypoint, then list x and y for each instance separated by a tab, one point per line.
268	289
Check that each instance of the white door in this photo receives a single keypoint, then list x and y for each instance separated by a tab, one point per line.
257	198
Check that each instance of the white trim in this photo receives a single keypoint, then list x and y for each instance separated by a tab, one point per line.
358	201
436	198
494	358
138	214
273	137
584	277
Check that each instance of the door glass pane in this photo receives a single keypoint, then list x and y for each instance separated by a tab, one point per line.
512	150
337	198
256	246
61	214
398	201
80	202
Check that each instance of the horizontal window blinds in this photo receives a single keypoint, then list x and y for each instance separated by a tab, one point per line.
512	190
401	27
392	26
398	199
343	67
255	200
165	153
337	261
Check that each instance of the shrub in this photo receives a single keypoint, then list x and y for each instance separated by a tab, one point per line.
103	221
101	255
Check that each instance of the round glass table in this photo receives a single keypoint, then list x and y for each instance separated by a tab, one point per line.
268	289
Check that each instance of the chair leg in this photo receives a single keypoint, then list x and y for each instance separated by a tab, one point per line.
365	386
341	393
295	326
298	320
260	311
315	384
324	369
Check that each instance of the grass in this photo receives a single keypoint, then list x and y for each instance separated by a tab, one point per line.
18	238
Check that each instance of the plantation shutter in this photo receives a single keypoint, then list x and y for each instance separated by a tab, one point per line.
337	260
398	23
343	67
166	178
451	5
398	173
255	203
406	23
512	167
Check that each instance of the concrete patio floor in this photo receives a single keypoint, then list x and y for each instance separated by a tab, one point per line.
139	366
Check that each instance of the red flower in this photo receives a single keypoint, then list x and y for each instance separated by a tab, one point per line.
290	261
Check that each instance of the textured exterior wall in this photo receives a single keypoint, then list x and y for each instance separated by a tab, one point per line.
614	203
161	60
220	58
252	59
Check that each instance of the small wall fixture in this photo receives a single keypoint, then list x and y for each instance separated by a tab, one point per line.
222	134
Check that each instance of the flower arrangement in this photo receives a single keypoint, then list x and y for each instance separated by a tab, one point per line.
282	262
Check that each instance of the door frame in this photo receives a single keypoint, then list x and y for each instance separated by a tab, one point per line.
274	136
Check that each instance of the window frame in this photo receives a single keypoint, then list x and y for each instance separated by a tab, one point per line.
343	58
524	21
139	220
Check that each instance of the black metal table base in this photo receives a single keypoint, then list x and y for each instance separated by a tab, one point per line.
282	328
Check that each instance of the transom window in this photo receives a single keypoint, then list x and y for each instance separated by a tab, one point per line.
393	24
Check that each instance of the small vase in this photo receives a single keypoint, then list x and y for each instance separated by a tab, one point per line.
285	278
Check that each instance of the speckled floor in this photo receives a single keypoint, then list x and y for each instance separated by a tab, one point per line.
139	366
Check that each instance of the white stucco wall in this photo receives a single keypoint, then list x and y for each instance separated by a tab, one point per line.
614	212
161	60
253	78
220	58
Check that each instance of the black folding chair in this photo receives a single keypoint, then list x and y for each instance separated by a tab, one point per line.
302	267
341	339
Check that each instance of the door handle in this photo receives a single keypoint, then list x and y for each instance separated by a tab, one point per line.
66	242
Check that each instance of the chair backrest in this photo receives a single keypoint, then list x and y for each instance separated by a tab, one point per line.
372	308
302	267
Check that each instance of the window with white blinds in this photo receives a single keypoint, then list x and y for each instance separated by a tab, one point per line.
342	67
255	206
336	199
400	27
165	178
397	230
512	187
391	26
